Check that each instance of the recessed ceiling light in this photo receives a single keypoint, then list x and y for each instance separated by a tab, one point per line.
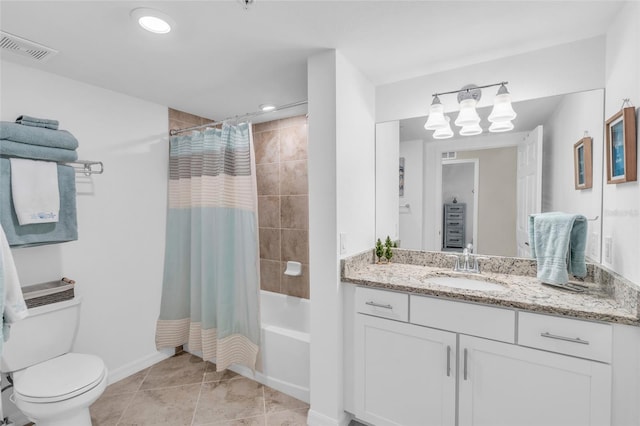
267	107
152	20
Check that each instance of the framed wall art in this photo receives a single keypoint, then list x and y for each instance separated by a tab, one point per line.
620	132
583	163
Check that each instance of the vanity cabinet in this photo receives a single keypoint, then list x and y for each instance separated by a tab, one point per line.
405	374
509	385
417	358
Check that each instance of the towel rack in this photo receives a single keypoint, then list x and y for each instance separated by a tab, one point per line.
86	167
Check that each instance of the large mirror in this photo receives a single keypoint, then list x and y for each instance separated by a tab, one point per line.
444	194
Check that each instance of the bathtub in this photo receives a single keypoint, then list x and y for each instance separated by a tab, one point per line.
284	345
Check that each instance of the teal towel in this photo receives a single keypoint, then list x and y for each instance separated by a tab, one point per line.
27	120
37	136
66	229
36	152
558	242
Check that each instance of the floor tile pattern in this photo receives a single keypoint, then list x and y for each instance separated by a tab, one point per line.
184	390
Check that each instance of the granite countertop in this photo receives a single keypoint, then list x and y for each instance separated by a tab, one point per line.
520	292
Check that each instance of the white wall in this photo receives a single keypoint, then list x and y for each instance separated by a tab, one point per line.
411	217
576	113
621	215
386	164
117	261
567	68
341	200
355	131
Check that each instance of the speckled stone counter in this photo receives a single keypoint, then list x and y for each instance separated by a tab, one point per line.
608	297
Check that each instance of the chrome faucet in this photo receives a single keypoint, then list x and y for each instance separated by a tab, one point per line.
470	261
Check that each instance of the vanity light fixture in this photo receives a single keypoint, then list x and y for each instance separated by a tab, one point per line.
444	132
502	109
436	118
152	20
505	126
473	129
468	118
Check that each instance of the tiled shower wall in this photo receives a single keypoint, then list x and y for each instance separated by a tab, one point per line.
283	198
283	203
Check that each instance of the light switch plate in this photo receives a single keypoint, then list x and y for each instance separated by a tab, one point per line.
608	249
343	243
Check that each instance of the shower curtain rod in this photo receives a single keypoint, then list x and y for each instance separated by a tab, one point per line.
174	132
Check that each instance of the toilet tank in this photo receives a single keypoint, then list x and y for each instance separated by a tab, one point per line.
49	331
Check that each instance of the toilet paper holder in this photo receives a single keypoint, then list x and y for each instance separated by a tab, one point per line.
293	269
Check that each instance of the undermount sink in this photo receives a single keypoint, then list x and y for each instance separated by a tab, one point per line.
466	283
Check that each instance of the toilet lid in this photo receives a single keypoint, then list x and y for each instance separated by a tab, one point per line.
60	378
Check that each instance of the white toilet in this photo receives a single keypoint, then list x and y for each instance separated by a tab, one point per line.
52	386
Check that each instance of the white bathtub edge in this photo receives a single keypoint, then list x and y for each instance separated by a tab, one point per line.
290	389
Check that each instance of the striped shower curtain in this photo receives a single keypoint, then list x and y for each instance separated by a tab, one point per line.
210	293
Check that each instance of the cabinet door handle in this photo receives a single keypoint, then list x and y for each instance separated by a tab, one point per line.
465	365
378	305
566	339
448	361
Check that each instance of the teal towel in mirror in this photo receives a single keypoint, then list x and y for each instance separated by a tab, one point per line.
558	243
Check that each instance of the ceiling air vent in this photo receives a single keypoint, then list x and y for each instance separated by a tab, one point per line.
23	47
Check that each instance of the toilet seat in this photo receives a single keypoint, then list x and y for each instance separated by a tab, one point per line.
60	378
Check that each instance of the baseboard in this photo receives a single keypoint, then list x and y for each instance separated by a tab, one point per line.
317	419
138	365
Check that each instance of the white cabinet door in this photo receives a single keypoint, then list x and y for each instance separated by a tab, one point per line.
405	374
509	385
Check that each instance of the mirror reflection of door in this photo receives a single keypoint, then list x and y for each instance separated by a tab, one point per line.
496	208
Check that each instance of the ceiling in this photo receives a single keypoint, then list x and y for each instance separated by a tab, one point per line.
222	60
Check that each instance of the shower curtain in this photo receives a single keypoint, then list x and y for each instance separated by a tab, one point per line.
210	292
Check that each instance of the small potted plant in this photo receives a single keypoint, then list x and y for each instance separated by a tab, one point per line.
379	250
388	253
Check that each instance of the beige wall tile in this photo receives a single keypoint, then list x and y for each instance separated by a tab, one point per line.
268	178
293	143
270	275
267	146
294	211
293	178
268	125
269	211
269	243
295	245
298	120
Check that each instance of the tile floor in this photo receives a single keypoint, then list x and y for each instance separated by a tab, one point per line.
184	390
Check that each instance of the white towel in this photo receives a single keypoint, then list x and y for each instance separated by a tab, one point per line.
34	188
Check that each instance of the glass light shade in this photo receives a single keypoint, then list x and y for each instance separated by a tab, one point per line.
471	130
468	115
436	118
503	126
502	109
445	132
